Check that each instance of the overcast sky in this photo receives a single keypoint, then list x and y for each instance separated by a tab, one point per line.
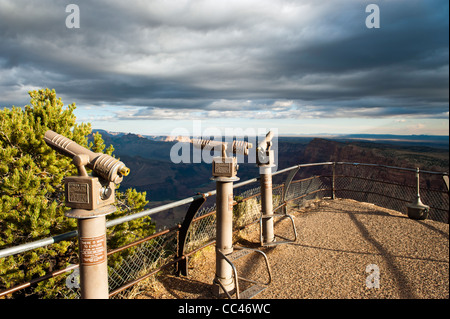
302	66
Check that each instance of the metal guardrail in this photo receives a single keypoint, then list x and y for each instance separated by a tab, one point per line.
196	231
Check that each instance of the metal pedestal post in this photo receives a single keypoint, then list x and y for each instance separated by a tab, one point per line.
266	204
92	251
266	221
224	234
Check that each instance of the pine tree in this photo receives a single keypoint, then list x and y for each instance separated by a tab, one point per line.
32	191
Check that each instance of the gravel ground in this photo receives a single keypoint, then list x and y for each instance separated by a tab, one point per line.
336	241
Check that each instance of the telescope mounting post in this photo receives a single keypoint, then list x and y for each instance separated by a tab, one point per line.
91	198
224	171
224	174
265	161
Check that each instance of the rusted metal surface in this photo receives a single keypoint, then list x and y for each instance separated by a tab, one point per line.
93	261
38	280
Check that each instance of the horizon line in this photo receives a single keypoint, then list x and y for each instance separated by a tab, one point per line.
297	134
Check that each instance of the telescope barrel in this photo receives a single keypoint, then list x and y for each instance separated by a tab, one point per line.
66	146
237	147
103	165
205	144
241	147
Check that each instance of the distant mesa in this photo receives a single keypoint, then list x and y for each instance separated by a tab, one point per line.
183	139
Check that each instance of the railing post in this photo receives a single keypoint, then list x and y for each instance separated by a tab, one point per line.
418	182
417	210
333	181
445	177
288	182
181	267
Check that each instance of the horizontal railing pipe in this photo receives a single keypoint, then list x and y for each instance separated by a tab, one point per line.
151	211
37	280
300	166
250	181
392	167
36	244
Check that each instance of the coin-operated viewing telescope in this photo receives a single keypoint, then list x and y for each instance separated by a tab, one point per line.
224	166
83	191
265	155
265	160
91	199
224	171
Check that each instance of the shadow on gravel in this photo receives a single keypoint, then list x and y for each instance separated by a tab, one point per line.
404	286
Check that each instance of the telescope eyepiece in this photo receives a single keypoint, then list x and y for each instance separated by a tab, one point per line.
124	171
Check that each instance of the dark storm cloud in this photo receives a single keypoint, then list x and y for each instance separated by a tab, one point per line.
205	58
